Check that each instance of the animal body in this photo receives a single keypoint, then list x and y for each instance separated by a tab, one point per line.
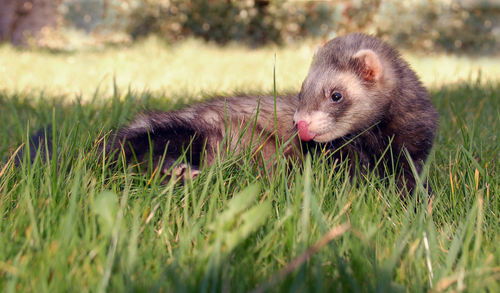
231	124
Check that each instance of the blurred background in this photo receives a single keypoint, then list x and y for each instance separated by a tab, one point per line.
462	26
178	45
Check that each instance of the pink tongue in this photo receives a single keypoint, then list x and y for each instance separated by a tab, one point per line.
304	133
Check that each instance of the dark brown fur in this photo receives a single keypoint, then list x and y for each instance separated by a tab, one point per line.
384	110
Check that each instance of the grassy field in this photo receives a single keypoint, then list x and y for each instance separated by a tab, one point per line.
78	225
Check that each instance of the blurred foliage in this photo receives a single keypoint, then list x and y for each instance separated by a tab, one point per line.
98	15
252	22
449	25
465	26
453	26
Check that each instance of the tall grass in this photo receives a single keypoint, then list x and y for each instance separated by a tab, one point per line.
71	223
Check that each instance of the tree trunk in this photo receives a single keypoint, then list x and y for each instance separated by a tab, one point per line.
24	20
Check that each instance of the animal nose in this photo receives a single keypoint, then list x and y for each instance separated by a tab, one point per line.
304	133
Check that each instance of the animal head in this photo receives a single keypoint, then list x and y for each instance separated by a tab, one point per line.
347	88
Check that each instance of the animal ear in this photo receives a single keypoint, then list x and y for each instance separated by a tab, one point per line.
371	66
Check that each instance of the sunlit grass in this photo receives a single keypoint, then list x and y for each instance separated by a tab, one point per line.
77	223
192	68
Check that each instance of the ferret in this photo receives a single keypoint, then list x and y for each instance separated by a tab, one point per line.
360	100
360	94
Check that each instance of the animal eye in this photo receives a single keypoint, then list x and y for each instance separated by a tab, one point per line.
336	96
300	96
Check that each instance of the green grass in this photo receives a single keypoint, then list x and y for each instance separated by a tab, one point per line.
77	224
82	225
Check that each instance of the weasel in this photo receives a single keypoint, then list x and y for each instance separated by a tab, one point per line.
360	100
361	93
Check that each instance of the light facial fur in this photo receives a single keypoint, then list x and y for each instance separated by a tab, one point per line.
331	120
